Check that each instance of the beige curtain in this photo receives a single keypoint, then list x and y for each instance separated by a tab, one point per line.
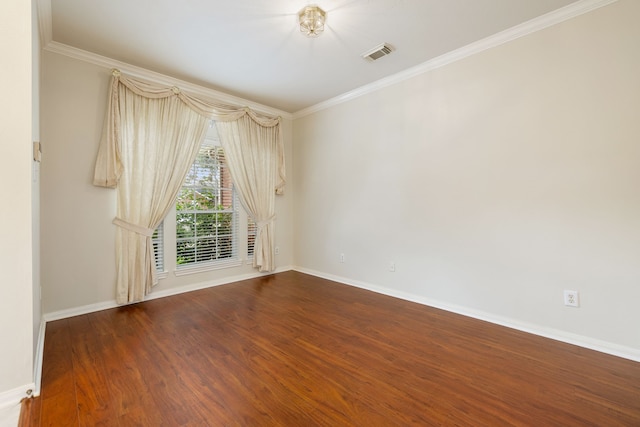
150	139
158	138
255	155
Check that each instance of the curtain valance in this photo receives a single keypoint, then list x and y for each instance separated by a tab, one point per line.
109	164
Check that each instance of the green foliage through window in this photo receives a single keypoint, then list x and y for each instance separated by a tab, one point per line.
206	215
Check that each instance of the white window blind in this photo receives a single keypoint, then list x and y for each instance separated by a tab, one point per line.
158	247
251	236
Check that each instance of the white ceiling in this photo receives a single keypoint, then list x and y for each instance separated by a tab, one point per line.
253	48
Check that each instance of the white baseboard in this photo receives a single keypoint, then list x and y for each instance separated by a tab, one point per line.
105	305
10	399
212	283
13	397
555	334
37	366
77	311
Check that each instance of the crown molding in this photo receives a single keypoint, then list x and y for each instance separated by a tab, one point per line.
552	18
162	79
44	21
46	38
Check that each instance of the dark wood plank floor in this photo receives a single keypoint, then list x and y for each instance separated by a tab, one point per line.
295	350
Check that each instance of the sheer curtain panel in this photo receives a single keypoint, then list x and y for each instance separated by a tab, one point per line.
254	152
150	139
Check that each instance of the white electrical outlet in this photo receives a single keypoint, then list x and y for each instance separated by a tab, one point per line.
277	250
571	299
392	267
342	258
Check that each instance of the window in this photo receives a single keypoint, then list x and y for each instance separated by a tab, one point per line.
209	229
206	214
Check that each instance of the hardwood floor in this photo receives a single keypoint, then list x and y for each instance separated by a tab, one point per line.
295	350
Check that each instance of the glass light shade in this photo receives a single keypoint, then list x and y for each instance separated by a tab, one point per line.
311	20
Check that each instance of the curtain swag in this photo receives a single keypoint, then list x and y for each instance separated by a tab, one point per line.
150	138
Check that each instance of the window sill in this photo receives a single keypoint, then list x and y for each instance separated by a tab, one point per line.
207	266
161	274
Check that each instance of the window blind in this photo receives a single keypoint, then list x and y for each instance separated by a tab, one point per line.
158	247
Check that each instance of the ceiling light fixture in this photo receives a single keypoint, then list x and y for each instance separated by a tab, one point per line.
312	20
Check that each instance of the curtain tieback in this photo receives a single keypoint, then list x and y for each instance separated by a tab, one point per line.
148	232
262	224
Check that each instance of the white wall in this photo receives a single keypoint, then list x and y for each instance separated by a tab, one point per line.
494	183
16	358
78	255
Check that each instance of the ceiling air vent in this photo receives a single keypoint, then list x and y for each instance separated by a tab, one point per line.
378	52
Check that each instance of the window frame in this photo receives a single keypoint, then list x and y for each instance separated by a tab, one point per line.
241	236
